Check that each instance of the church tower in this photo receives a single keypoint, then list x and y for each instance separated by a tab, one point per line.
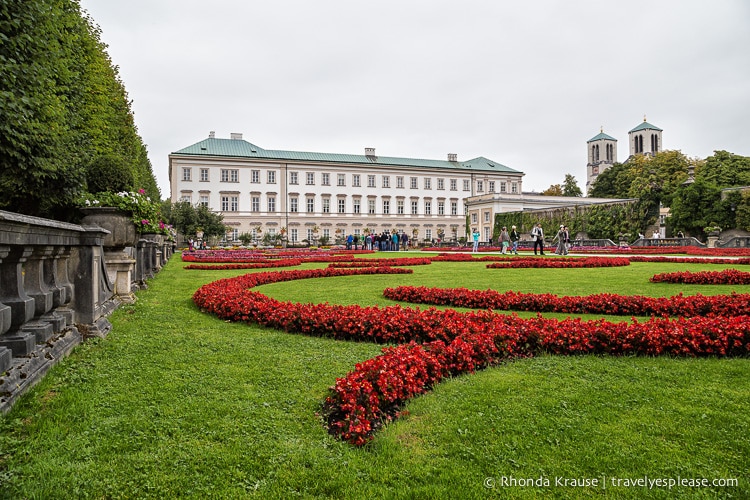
602	155
645	139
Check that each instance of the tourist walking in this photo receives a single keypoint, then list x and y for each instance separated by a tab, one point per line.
475	237
560	238
504	240
514	237
537	235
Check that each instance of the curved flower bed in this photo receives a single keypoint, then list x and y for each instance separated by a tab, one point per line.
436	344
266	263
561	263
405	261
725	277
691	260
605	303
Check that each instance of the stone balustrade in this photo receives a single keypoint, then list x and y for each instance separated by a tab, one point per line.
58	285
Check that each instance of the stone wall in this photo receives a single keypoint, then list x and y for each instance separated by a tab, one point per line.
55	291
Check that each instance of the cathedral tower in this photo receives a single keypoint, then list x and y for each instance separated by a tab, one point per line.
645	139
602	150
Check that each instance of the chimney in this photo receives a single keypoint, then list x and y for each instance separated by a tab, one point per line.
369	151
452	157
212	134
236	136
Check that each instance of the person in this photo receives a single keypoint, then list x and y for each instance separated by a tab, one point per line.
395	239
680	234
655	235
355	239
514	237
504	240
349	241
560	237
404	242
475	237
368	242
537	234
566	246
190	244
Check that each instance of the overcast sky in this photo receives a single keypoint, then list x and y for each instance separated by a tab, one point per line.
524	83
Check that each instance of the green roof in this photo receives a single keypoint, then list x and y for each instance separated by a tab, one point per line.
239	148
645	126
602	137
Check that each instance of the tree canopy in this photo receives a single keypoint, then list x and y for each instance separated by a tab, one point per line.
63	106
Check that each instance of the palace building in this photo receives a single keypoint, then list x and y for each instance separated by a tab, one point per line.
309	195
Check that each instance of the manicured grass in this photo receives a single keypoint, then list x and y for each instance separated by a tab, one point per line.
176	403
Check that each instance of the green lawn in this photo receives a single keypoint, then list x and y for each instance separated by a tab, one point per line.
176	403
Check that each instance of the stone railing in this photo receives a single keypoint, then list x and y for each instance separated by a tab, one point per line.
57	288
667	242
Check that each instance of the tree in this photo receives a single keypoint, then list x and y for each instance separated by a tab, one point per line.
694	207
553	190
188	219
570	186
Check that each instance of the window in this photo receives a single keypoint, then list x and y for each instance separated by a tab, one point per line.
370	181
326	205
474	218
441	183
428	234
255	177
272	204
186	197
204	175
480	186
454	184
325	179
400	182
441	208
386	207
230	175
357	205
503	187
233	234
310	205
491	186
255	204
454	208
428	207
187	174
234	203
272	177
413	182
341	179
514	187
386	181
293	178
294	235
371	206
310	178
203	200
486	216
467	186
400	207
355	180
427	183
342	205
294	204
327	233
225	203
310	234
414	207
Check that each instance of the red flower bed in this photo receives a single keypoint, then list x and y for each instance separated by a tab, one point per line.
268	263
451	342
736	252
405	261
560	263
725	277
605	303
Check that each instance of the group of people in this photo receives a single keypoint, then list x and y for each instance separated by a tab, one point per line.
384	241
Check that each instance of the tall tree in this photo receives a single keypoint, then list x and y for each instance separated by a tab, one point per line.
570	186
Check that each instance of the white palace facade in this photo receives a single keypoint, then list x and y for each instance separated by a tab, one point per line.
311	195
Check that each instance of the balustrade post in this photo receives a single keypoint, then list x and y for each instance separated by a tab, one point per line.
13	295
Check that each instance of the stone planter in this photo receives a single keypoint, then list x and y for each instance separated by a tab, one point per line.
119	224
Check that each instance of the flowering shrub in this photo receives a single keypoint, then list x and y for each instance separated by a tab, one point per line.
691	260
436	343
144	212
568	262
725	277
405	261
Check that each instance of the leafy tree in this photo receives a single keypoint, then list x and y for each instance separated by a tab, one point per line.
725	169
694	207
109	173
553	190
187	219
570	186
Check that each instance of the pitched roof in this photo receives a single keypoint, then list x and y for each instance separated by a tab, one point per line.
602	136
645	126
243	149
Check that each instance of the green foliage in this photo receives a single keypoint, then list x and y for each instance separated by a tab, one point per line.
188	219
570	186
553	190
145	212
724	170
109	173
62	105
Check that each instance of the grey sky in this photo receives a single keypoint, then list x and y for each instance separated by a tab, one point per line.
524	83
